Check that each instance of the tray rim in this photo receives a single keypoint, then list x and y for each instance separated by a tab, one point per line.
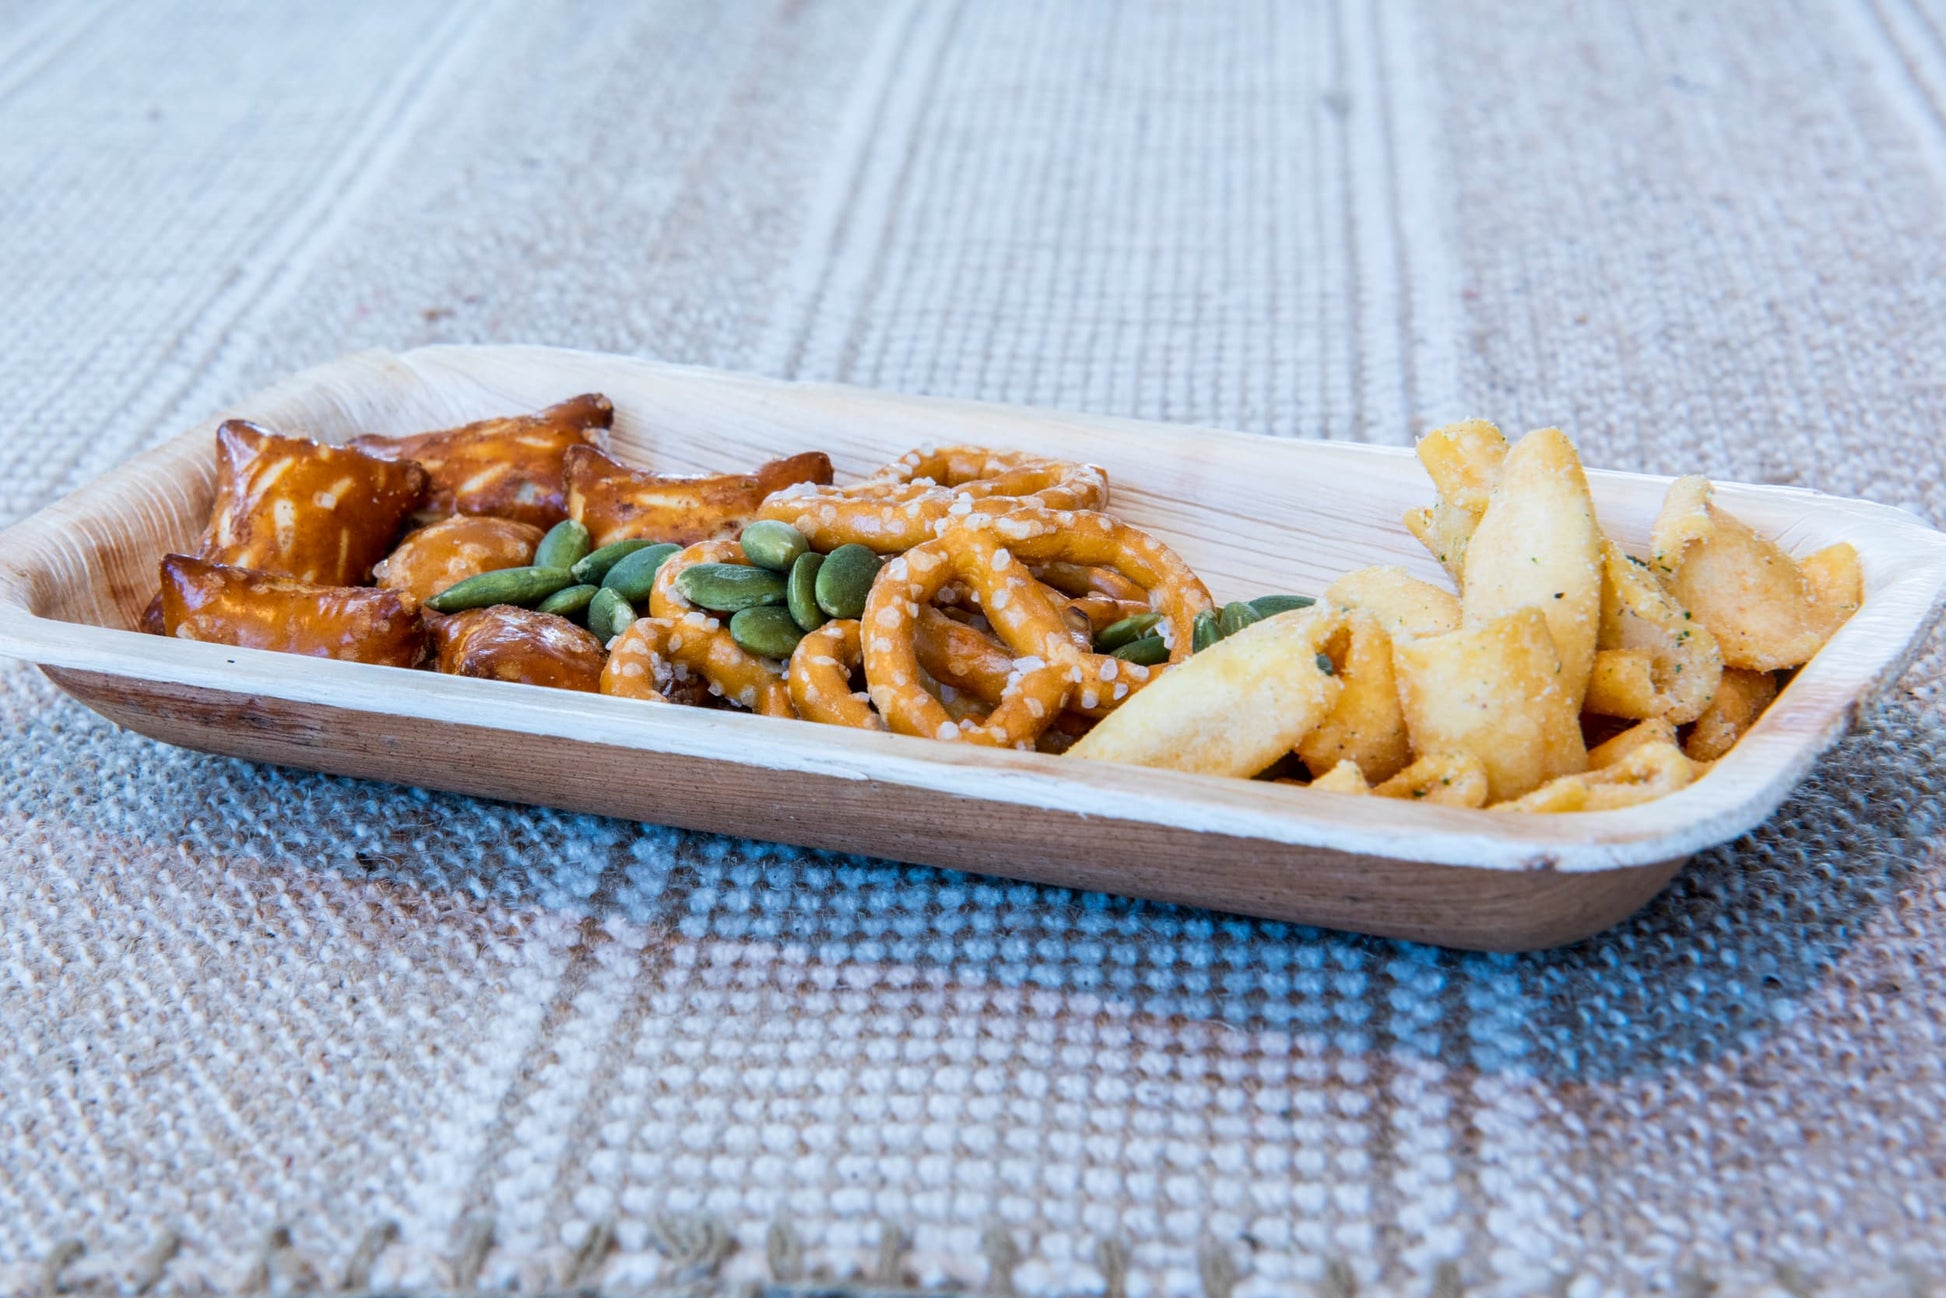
1811	714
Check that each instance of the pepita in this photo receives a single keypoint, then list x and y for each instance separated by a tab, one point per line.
730	587
1236	616
633	575
1148	650
565	545
845	580
1271	605
595	567
609	614
1127	631
767	631
522	586
569	602
773	545
801	592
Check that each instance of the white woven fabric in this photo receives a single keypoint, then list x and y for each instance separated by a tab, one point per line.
237	999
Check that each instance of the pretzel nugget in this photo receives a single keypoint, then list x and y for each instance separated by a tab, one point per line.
1537	544
1652	770
1494	691
216	603
618	503
504	643
1234	708
1740	699
1765	611
301	509
447	553
1672	662
504	468
1464	460
1366	725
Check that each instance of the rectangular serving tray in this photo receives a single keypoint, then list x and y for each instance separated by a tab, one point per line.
1251	514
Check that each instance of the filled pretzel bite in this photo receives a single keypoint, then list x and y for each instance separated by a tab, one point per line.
448	552
505	468
618	503
908	501
298	508
504	643
219	604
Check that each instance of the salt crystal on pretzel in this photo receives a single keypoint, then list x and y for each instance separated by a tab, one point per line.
909	501
643	659
820	678
1046	669
676	632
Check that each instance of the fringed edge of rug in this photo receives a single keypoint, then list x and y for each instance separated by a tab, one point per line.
693	1251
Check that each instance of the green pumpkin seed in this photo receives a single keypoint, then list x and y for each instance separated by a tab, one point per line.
568	602
1271	605
633	575
1147	650
1236	616
1205	631
773	545
609	614
801	591
523	586
767	631
596	566
565	545
730	587
1324	665
1127	631
845	580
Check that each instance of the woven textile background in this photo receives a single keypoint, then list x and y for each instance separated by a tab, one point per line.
263	1012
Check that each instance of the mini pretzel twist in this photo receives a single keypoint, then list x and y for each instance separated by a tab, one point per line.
652	656
820	678
651	659
1049	669
907	502
665	601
